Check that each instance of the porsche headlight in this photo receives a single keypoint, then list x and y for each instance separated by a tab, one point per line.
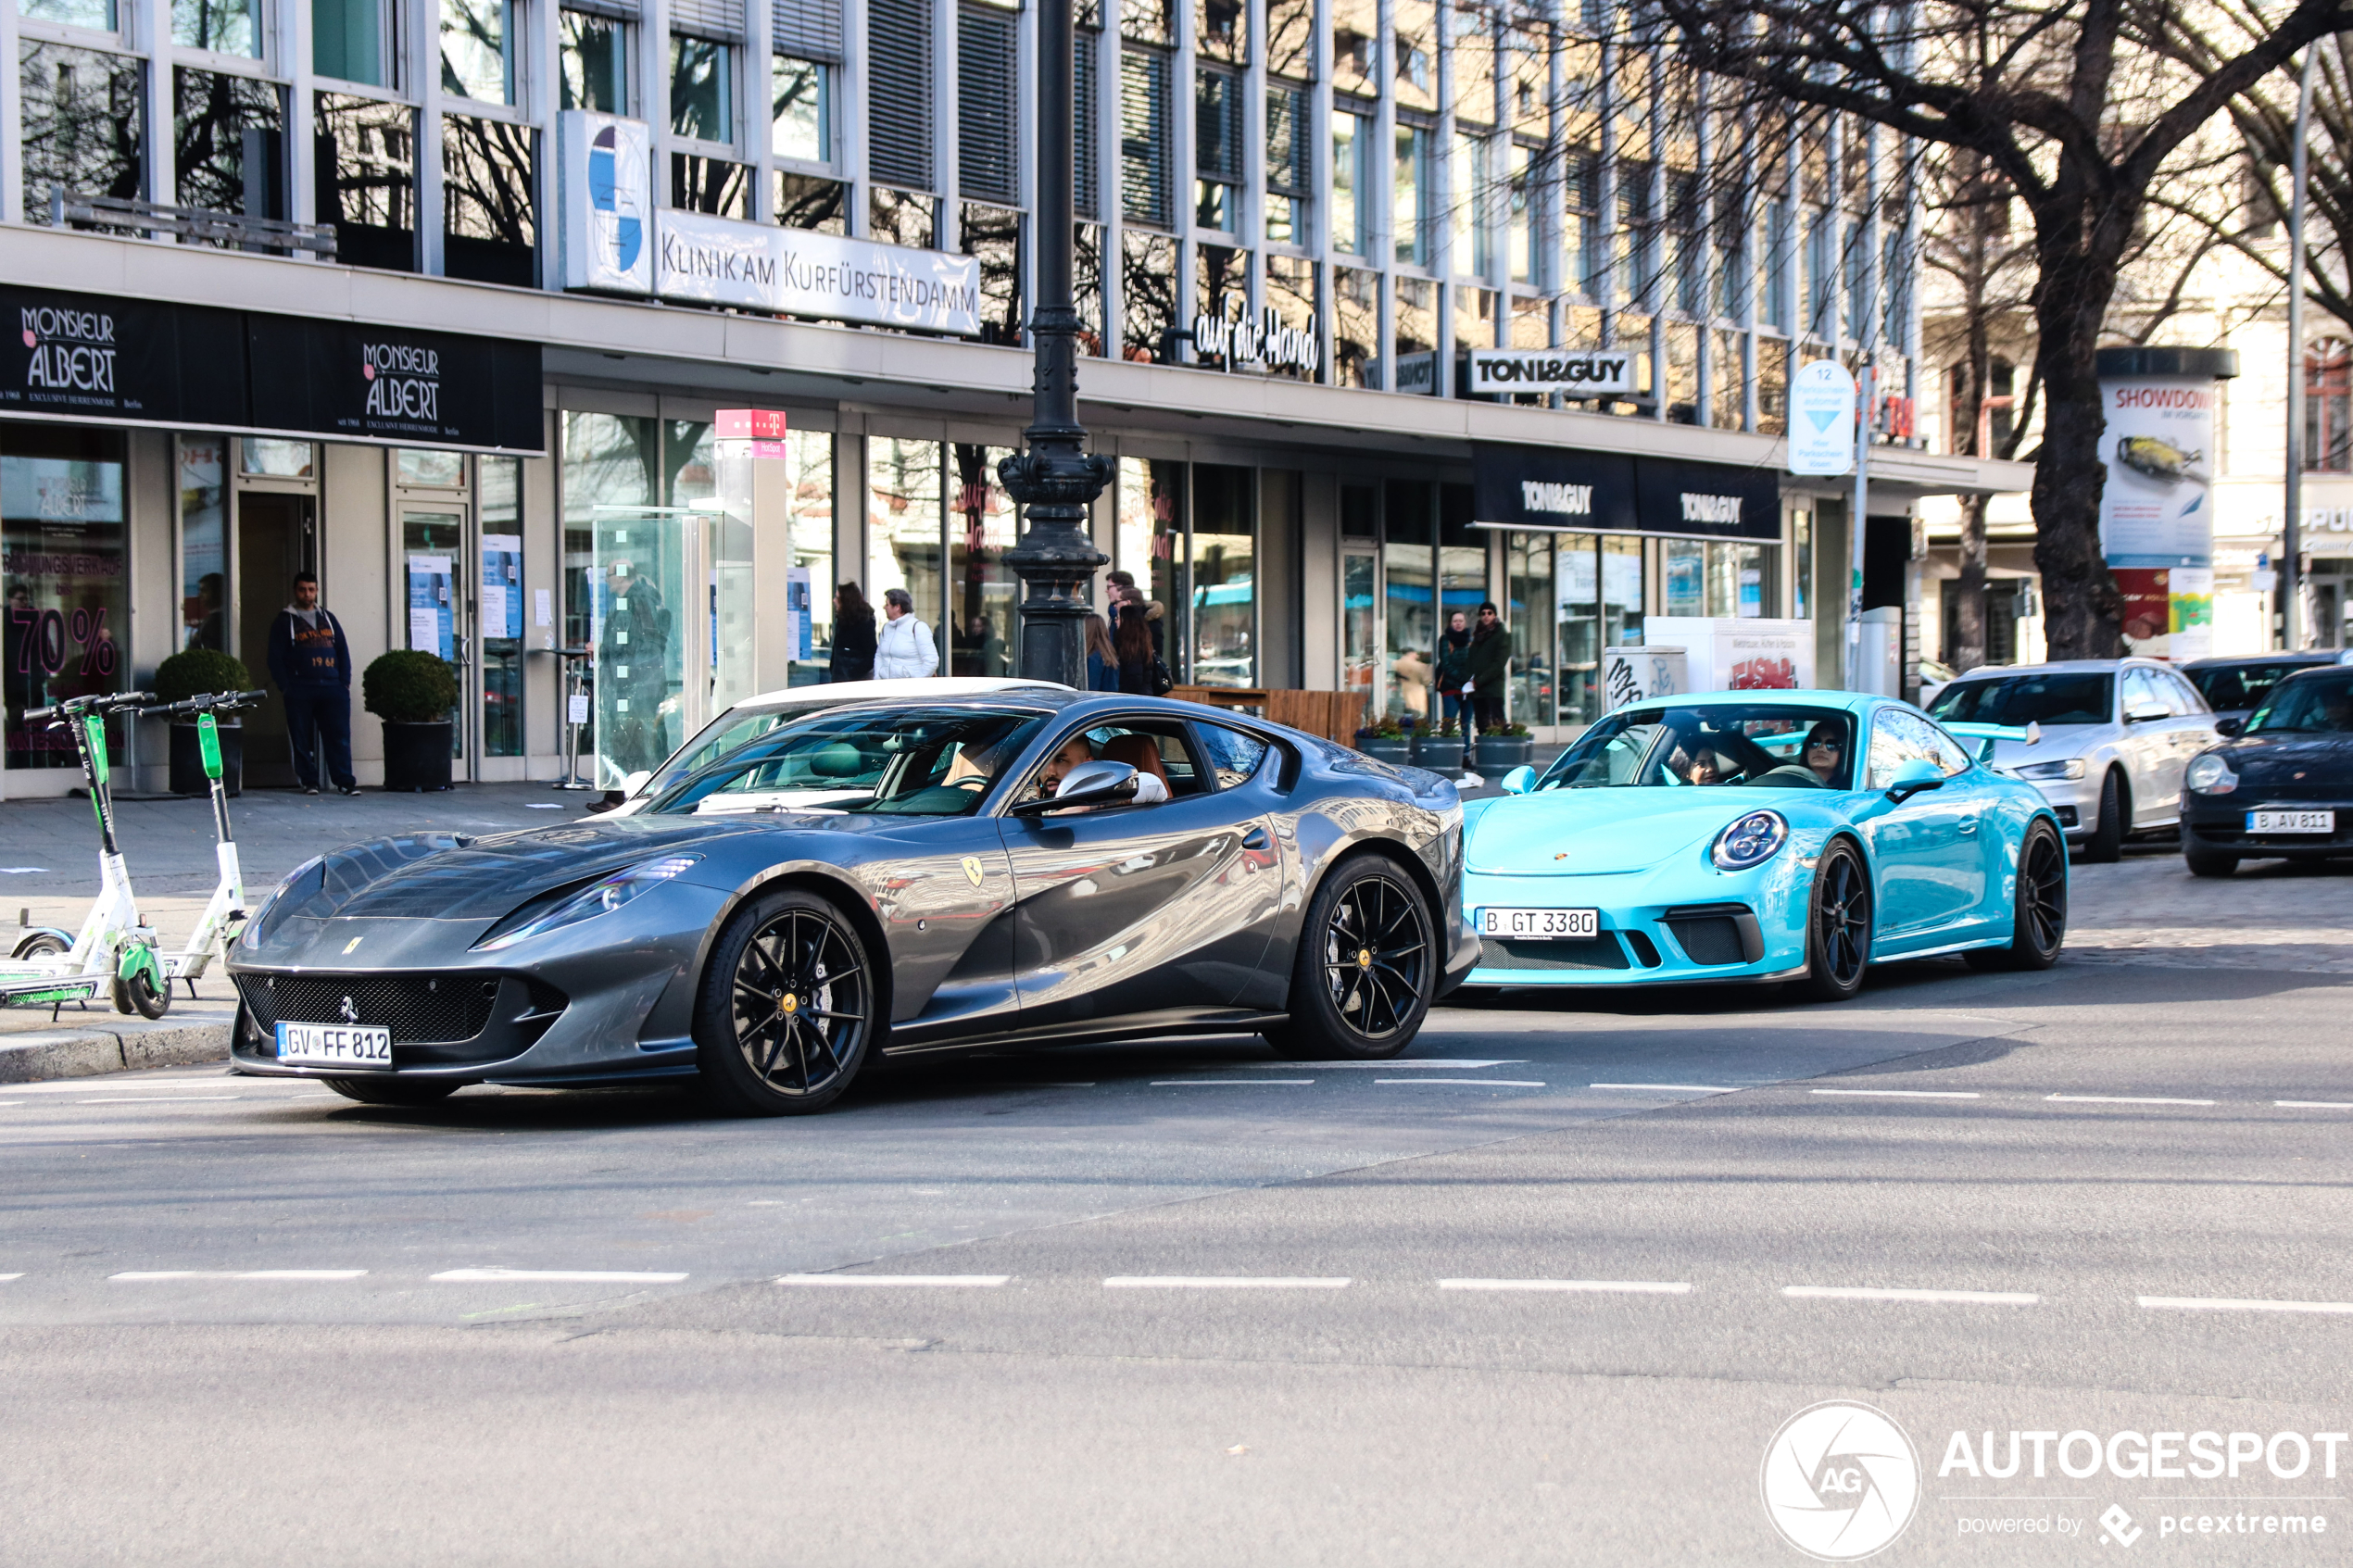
1750	840
2211	774
601	896
2070	769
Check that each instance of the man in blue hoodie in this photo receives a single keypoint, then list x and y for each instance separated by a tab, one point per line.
311	663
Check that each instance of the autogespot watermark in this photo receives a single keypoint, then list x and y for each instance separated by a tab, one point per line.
1841	1480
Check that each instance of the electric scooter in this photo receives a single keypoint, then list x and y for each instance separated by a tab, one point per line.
114	949
225	914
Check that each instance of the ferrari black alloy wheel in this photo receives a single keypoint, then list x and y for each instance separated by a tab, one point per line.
787	1007
393	1091
1367	966
2039	927
1838	941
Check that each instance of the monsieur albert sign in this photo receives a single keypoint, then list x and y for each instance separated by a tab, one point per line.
129	361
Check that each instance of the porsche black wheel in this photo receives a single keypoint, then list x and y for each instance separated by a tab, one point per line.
1366	970
1838	942
788	1008
2039	924
393	1091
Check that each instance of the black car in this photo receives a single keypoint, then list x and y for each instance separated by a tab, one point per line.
2280	787
2235	686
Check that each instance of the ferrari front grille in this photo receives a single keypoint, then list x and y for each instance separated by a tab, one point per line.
419	1009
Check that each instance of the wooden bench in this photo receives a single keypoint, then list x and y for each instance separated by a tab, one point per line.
1333	715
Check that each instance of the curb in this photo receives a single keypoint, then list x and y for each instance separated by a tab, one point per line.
85	1053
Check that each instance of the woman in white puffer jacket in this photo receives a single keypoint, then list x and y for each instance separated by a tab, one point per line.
903	648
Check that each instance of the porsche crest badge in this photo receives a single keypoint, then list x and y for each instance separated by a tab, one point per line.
972	870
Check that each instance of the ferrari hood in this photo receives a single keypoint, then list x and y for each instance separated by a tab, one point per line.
1586	832
452	876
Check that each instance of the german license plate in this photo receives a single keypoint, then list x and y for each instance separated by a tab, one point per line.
1551	925
2291	821
334	1045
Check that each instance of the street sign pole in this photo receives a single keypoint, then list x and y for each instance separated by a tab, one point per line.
1854	529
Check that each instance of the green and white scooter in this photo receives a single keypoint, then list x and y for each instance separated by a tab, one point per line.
114	949
225	915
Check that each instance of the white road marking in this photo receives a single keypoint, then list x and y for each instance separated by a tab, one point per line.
1480	1083
1626	1287
1424	1063
1223	1083
1902	1094
6	1278
144	1276
1675	1088
2316	1104
1219	1282
2124	1099
541	805
2223	1304
108	1083
1863	1293
554	1277
162	1099
939	1281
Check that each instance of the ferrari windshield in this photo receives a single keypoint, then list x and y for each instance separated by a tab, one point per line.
2318	703
1761	745
2070	697
721	736
892	761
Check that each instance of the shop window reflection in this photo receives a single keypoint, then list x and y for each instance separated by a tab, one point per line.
808	201
1148	295
500	601
229	144
993	235
61	554
984	523
366	173
204	537
490	225
710	184
84	123
1222	619
904	521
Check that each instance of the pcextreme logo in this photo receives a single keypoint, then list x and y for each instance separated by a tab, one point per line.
1841	1481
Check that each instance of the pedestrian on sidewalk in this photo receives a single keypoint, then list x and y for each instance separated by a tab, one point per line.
1490	668
1454	674
311	662
854	657
903	648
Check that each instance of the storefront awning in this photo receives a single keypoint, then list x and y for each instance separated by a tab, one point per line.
1559	489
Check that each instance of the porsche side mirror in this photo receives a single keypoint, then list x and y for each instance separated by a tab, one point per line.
1520	780
1090	783
2229	728
1912	777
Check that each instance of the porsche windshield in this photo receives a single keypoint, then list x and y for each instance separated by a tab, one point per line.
1763	745
2314	704
896	761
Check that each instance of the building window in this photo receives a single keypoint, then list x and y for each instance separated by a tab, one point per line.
84	123
365	163
593	59
351	40
1355	327
229	140
1221	288
1773	255
1148	295
1352	194
813	202
1290	293
98	15
1217	149
702	75
717	185
475	58
1356	46
1409	195
1087	198
1520	220
993	234
800	109
1221	30
1638	244
1290	38
1820	283
204	541
1582	187
225	26
1684	207
1143	137
902	217
61	527
490	230
904	527
1220	617
988	119
1287	174
984	522
2328	406
899	93
1472	254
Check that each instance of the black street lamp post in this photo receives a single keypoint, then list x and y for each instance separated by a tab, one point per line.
1057	479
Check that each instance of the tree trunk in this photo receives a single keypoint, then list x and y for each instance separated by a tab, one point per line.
2082	613
1969	619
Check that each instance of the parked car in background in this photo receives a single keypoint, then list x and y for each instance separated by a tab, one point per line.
2235	686
2281	787
2116	735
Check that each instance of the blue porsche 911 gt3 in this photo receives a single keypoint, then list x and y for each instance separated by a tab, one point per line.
1797	835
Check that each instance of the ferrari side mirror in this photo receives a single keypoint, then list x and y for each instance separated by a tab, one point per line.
1520	780
1090	783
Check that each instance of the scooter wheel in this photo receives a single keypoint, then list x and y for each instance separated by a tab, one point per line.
139	995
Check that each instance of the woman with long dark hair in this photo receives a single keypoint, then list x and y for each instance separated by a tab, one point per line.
1134	646
853	636
1102	658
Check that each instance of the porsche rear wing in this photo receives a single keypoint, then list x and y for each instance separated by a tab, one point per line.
1986	735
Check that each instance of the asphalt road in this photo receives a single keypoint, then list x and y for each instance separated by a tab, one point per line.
1544	1294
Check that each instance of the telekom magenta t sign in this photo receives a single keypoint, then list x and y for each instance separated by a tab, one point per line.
762	429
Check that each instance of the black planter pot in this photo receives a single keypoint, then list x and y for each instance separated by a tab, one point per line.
1399	752
1502	753
187	760
417	756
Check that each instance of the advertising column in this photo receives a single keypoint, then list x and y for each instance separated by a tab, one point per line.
2156	508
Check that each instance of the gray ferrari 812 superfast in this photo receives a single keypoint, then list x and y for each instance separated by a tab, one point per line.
894	880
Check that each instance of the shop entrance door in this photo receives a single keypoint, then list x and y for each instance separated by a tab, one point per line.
433	560
277	536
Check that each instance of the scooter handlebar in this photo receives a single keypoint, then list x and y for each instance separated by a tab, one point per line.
208	702
108	702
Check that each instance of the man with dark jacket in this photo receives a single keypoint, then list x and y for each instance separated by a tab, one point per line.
311	663
1490	666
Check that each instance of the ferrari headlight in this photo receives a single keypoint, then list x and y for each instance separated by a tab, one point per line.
2070	769
292	892
601	896
1750	840
2210	774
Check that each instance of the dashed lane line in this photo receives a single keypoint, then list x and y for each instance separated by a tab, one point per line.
2224	1304
2316	1104
162	1099
1872	1293
1901	1093
937	1281
1593	1286
1227	1082
144	1277
1439	1064
553	1276
1220	1282
1673	1088
1476	1083
2124	1099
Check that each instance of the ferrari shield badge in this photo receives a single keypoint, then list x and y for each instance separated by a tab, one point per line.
972	870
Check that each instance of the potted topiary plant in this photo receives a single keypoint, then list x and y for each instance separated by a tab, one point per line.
1501	750
1384	740
194	672
412	691
1439	748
